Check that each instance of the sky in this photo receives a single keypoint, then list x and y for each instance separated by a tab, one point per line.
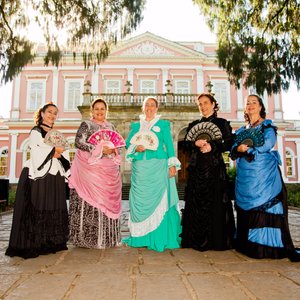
177	20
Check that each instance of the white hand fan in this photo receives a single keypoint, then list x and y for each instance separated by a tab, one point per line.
55	138
107	135
148	139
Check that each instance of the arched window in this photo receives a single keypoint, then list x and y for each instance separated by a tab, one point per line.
290	163
72	150
4	162
228	162
24	147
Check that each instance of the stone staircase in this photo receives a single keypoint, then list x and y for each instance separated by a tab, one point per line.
125	191
126	187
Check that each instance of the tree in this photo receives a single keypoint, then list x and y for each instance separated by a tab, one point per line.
258	41
89	27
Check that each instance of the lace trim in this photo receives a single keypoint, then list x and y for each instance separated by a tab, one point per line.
138	229
174	161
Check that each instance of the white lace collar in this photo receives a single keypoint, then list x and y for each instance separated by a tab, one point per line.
145	125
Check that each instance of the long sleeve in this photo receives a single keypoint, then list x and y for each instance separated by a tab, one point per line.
82	137
167	140
227	139
41	160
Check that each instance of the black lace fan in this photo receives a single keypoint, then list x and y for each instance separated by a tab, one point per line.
251	137
204	131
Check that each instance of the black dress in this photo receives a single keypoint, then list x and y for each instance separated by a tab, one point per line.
40	219
208	222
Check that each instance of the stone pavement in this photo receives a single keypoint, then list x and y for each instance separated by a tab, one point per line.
139	274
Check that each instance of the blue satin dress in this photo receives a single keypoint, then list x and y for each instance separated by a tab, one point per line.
261	199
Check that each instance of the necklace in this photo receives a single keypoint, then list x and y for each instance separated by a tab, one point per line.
255	123
46	125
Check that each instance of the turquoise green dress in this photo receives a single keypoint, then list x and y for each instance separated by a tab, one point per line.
154	220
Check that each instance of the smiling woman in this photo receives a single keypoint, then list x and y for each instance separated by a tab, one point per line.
40	220
154	220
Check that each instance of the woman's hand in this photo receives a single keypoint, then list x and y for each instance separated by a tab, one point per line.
242	148
200	143
56	155
206	148
140	148
58	152
106	150
203	145
172	171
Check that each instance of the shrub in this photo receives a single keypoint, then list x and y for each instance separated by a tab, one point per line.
293	190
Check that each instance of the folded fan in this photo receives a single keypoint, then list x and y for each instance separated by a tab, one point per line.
251	137
204	131
148	139
107	135
55	138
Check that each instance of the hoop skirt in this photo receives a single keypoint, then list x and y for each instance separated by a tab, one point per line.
40	221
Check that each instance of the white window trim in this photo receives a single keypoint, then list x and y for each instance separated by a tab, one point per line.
106	85
29	83
185	80
213	81
141	85
23	148
68	80
293	160
1	150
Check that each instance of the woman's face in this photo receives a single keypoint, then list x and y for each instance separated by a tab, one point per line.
49	115
253	106
206	108
99	112
150	109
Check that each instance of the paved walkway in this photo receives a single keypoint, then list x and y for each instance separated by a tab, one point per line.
128	273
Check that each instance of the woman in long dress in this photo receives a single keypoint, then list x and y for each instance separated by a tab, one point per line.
40	220
95	186
207	222
261	198
154	220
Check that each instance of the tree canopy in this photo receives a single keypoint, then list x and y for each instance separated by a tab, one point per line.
258	41
89	27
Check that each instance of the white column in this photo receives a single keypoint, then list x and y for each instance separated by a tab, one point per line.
240	102
200	80
278	114
13	158
95	81
298	159
15	113
55	86
281	152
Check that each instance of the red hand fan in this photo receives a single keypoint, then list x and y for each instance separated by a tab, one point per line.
107	135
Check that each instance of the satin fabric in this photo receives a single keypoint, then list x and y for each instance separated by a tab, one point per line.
154	220
150	201
259	181
99	184
261	201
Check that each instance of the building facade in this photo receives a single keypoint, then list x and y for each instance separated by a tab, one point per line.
174	72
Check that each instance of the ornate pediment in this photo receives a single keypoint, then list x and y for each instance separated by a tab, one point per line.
147	48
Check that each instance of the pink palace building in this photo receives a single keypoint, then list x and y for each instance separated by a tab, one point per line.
174	72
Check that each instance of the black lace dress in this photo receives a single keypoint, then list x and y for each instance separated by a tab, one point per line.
208	222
